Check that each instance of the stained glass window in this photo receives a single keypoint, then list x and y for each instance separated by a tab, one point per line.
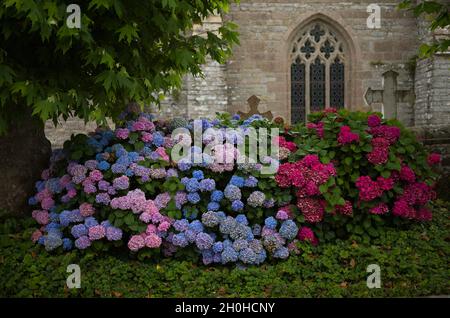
317	71
298	92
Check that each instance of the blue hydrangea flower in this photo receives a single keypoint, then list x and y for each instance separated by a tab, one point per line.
227	225
32	201
184	164
90	222
281	252
271	222
196	226
158	139
192	185
237	205
251	182
237	181
180	240
193	197
288	230
241	218
256	230
103	165
232	192
247	256
217	247
118	168
198	174
67	244
256	199
222	216
181	225
79	230
190	235
229	255
216	196
210	219
240	231
53	225
133	156
213	206
52	242
207	185
240	245
204	241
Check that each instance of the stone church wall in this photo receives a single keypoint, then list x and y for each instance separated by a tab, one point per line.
260	64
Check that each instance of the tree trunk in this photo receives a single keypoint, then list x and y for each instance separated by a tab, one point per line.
24	153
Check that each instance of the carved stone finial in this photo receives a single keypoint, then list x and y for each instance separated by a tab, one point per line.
253	102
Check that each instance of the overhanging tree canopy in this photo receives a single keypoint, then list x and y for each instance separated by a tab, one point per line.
124	50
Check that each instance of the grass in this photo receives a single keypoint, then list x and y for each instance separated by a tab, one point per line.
413	262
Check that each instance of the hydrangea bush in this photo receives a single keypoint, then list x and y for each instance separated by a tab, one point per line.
339	174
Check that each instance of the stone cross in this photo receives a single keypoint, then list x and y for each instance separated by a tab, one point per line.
390	95
253	103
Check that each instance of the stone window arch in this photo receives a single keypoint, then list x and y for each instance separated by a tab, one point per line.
317	68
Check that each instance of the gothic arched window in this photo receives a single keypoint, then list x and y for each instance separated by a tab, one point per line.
317	71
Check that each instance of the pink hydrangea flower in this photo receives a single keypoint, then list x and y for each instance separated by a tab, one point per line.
153	241
122	133
41	216
36	236
97	232
164	226
136	242
86	209
95	175
146	137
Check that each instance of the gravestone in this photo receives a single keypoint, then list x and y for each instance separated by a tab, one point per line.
253	102
389	96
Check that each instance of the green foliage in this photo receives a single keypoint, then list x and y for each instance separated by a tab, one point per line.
413	262
350	162
124	51
439	16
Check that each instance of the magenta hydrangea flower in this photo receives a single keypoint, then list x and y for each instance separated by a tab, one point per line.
379	209
312	209
368	189
306	234
373	121
407	174
346	136
434	159
346	209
